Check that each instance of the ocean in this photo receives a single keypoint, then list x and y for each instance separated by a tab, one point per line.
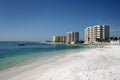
11	54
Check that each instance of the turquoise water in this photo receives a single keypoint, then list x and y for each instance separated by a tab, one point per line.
11	54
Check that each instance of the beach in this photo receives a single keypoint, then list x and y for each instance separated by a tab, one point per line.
88	64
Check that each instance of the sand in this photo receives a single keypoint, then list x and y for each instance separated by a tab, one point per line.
90	64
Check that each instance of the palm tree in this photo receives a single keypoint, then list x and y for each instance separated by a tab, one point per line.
107	40
111	38
119	40
97	39
116	38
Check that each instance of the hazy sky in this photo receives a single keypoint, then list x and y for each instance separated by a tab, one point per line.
38	20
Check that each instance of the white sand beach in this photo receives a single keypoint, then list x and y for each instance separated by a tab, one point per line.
90	64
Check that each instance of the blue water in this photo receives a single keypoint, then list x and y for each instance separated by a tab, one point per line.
11	54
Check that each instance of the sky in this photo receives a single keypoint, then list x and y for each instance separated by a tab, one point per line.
40	20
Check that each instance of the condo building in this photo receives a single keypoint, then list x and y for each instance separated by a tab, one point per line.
59	39
72	37
97	33
89	35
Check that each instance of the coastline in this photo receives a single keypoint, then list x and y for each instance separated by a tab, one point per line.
12	55
92	64
36	63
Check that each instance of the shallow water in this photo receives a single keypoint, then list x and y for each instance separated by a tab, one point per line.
11	54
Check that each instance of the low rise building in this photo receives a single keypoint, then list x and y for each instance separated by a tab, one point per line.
59	39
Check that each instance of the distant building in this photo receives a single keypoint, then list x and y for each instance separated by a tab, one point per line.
63	39
89	35
97	33
59	39
56	38
72	37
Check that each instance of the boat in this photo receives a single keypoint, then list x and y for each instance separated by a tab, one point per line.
21	44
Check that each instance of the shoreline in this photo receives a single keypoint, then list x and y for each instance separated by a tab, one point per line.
35	63
81	65
28	55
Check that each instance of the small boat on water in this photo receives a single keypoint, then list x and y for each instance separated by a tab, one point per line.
21	44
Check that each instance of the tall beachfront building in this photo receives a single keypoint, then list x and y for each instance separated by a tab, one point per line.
97	33
89	35
59	39
72	37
